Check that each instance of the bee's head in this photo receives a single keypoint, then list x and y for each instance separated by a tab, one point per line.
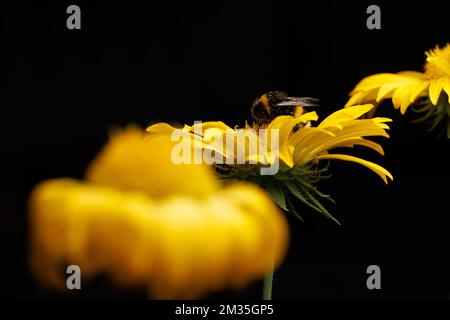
260	108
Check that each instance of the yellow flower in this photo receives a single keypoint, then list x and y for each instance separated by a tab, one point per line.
146	222
299	146
429	89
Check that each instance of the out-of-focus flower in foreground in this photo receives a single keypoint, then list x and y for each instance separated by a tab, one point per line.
300	146
427	91
146	222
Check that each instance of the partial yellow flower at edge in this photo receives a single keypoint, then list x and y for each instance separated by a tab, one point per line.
175	241
404	88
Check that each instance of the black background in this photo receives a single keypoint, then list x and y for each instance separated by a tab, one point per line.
64	88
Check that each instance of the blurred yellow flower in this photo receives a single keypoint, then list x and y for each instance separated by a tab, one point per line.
429	90
299	146
146	222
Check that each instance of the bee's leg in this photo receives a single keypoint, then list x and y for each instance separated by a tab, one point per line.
298	111
297	126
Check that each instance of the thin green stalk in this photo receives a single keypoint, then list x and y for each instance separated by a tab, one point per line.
267	286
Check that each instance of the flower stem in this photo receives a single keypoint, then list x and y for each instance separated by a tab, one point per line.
267	286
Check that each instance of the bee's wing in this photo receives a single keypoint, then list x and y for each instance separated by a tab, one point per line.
303	101
306	101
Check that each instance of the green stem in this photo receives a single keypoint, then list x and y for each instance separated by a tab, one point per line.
267	286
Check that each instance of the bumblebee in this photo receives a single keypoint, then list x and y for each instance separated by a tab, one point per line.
276	103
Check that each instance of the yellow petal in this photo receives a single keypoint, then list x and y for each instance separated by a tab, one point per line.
304	139
345	114
441	62
160	128
379	170
405	100
401	98
210	133
286	155
385	85
219	125
446	86
309	116
350	142
413	74
279	122
381	119
355	131
435	90
386	89
287	123
375	81
418	90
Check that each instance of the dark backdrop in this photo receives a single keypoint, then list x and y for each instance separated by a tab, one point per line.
201	61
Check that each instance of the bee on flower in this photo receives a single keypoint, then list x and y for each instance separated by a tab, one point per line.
299	149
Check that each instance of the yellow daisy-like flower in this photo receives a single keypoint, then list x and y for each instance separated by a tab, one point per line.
429	90
146	222
300	147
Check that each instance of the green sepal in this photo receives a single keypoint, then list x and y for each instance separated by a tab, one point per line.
293	189
434	114
291	209
276	193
